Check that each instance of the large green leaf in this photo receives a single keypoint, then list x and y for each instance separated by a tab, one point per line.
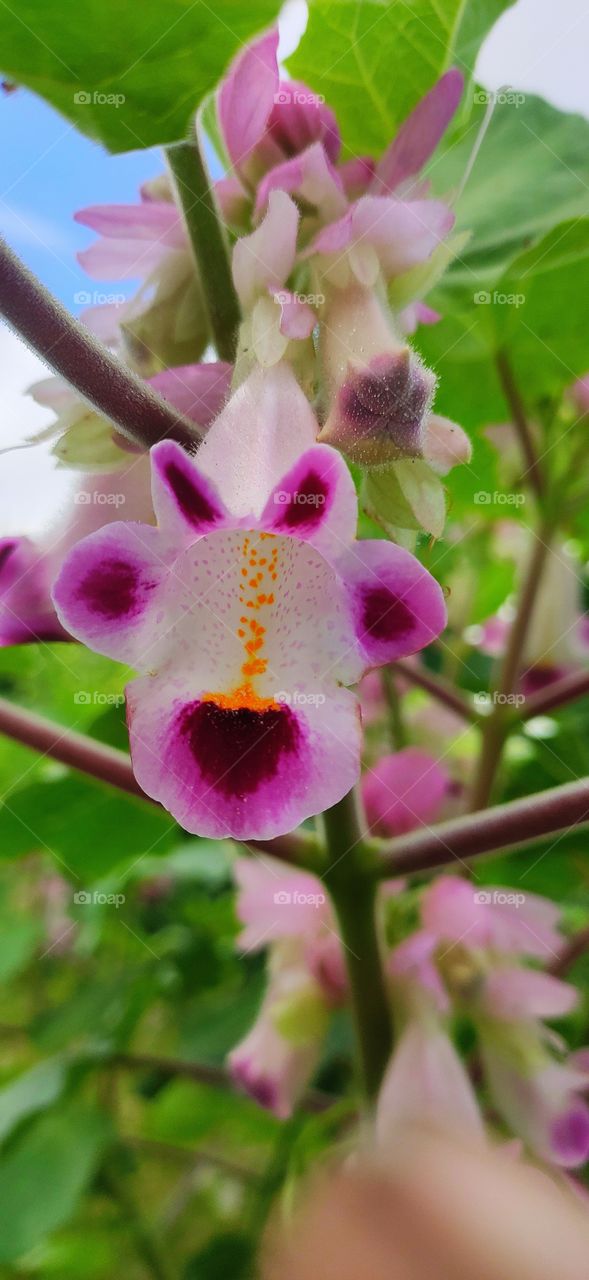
531	173
90	829
42	1178
374	59
129	76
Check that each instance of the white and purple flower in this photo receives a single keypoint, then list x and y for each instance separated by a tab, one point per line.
247	612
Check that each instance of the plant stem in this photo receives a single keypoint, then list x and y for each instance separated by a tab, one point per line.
147	1245
353	889
520	422
498	724
208	243
518	822
203	1073
71	351
572	951
398	733
114	767
557	694
437	687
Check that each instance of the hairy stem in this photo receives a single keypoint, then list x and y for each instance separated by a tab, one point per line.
498	724
520	422
474	834
208	243
114	767
353	889
69	350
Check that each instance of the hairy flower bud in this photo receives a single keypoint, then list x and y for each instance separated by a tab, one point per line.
381	393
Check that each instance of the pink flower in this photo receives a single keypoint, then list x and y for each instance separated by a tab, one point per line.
289	912
276	1061
247	611
453	910
265	120
403	790
165	323
28	569
426	1084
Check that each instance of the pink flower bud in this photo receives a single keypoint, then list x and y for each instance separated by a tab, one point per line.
381	393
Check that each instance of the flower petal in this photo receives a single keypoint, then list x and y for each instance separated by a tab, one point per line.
403	233
158	221
310	176
230	771
265	259
398	608
26	611
108	590
185	502
122	259
198	391
426	1083
299	117
262	430
275	901
316	501
403	790
246	96
528	993
418	137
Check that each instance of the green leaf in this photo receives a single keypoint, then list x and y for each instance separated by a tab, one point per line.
44	1175
20	936
32	1091
131	78
375	59
531	173
89	828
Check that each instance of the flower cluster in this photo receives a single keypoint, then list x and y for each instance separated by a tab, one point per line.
469	960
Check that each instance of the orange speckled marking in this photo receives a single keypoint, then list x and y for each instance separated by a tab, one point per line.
251	631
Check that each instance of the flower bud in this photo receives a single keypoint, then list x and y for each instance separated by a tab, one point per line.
380	391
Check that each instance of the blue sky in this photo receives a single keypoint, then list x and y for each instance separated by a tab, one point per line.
48	171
